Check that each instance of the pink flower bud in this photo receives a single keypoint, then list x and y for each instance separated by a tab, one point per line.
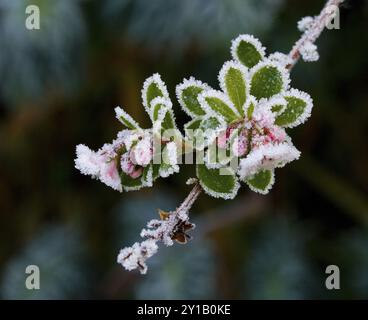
141	153
240	145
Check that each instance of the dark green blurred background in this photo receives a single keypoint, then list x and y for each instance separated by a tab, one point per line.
59	86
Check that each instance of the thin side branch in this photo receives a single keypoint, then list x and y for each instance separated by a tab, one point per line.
312	34
189	200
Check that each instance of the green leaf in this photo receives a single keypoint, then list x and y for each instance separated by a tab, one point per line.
268	80
262	181
208	130
191	126
147	176
210	123
216	184
155	171
247	50
130	184
187	94
153	87
216	157
298	109
233	82
158	105
250	109
277	108
168	121
217	102
126	119
145	180
165	120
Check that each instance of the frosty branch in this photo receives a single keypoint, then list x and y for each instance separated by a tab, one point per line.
237	134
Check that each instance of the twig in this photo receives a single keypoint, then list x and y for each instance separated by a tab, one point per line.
189	200
315	30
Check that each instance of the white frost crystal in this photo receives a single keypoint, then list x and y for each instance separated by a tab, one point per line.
280	58
309	52
135	257
305	23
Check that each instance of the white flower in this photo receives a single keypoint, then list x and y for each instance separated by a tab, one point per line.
267	157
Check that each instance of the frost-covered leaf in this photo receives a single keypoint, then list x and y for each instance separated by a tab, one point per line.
249	107
208	130
147	177
187	95
216	102
211	123
233	80
169	165
145	180
130	184
168	121
155	171
167	170
267	157
153	87
247	50
216	157
126	119
191	130
277	104
191	126
298	109
216	183
158	105
268	79
262	181
165	121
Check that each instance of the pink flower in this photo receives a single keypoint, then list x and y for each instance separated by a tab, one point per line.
240	145
276	134
109	174
137	173
222	139
128	167
263	116
141	154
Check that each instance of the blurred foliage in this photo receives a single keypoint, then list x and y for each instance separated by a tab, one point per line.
61	256
181	272
113	46
177	24
45	59
277	266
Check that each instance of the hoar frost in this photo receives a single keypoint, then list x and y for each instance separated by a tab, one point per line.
244	120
